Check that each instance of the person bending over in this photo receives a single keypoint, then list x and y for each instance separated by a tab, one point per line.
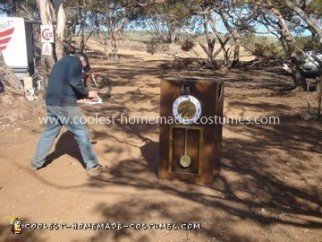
64	85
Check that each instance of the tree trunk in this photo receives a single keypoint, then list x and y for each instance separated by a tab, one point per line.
211	41
46	18
48	15
9	83
222	41
236	38
289	41
60	29
115	32
236	50
82	32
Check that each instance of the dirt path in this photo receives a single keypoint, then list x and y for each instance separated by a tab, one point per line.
269	188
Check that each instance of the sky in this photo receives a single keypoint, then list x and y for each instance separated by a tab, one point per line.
220	26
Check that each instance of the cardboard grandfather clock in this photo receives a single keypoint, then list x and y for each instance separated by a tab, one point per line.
190	146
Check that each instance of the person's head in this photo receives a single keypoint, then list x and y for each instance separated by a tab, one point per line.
84	59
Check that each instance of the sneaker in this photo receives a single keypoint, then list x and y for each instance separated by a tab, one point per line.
96	171
33	167
93	141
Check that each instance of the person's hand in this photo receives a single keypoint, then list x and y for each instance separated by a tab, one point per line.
92	95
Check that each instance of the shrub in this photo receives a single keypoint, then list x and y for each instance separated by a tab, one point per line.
153	45
187	45
262	47
266	50
309	44
164	48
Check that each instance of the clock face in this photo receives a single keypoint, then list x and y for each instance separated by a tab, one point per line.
186	109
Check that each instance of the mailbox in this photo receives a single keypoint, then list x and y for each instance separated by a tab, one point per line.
191	129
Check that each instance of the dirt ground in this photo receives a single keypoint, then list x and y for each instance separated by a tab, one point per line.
269	188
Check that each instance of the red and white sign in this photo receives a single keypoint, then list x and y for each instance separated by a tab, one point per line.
47	49
47	34
13	42
5	37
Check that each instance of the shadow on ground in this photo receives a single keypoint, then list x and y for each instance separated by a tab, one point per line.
257	183
66	144
259	192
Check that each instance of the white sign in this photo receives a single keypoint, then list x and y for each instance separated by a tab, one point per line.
47	34
13	44
47	49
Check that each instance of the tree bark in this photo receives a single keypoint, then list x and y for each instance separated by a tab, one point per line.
49	13
211	41
115	32
82	30
222	41
236	38
289	41
9	83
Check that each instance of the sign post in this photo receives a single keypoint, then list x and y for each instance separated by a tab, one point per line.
47	39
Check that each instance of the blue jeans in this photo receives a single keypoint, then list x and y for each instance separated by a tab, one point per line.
72	118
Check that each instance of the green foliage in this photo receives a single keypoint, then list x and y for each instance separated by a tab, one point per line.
165	19
19	8
187	44
153	45
262	47
308	43
176	13
315	7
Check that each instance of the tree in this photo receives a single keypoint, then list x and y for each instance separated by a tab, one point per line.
9	83
19	8
113	16
304	12
165	20
224	12
203	23
212	12
51	12
271	13
81	18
